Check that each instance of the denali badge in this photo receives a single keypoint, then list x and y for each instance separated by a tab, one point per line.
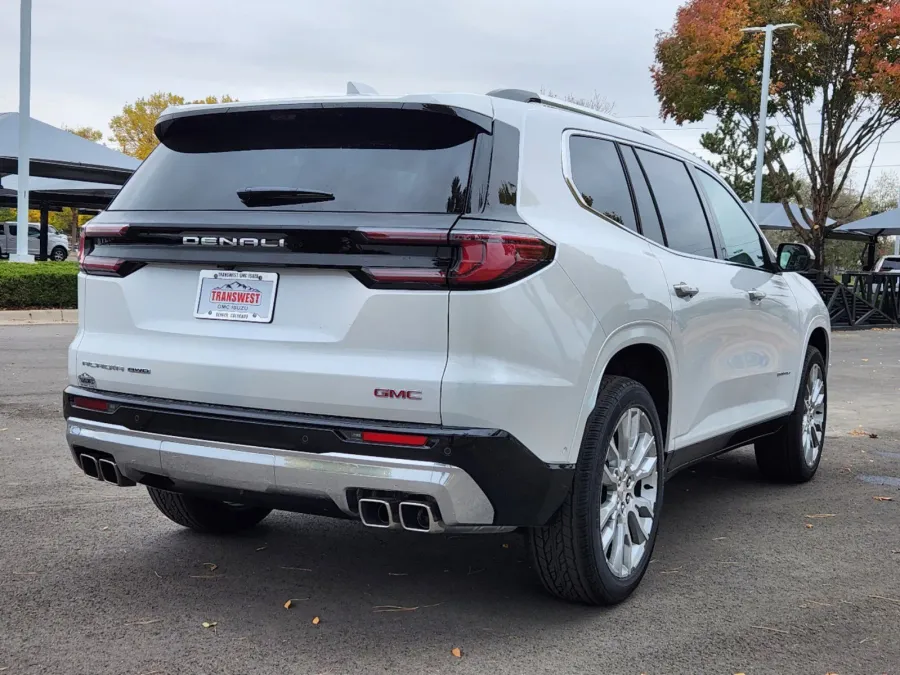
232	241
407	394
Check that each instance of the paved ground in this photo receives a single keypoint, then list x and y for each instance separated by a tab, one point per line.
93	580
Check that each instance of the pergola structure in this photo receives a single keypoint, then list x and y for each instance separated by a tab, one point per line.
65	169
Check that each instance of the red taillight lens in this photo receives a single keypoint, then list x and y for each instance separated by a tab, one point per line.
90	404
480	259
491	258
394	439
98	265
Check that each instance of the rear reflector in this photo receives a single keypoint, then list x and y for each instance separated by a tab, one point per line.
90	404
394	439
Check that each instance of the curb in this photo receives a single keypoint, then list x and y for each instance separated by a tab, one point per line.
35	317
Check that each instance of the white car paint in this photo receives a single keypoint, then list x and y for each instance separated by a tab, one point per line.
526	358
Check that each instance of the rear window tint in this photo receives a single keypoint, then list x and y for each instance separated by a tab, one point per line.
598	175
679	204
370	159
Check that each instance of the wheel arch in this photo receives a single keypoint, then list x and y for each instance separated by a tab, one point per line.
637	351
818	335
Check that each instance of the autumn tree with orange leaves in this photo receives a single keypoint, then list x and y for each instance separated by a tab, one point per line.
835	81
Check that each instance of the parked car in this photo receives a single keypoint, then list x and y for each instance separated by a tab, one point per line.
57	244
438	313
888	264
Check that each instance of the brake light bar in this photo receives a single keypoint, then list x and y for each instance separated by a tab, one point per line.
482	259
102	266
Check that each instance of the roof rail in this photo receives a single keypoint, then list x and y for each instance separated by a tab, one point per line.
524	96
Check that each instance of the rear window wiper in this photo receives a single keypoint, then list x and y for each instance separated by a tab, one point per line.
281	196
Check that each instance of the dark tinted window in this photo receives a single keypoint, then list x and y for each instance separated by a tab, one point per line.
650	226
598	175
679	205
370	159
741	240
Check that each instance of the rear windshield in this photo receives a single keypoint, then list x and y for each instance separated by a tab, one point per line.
370	159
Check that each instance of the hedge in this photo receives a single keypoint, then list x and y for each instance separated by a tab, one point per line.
39	285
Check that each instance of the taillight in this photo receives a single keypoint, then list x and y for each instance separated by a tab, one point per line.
478	259
100	265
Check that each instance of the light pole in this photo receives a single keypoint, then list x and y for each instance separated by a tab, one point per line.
768	29
24	163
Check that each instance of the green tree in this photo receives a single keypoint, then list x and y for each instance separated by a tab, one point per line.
735	158
88	133
841	67
132	129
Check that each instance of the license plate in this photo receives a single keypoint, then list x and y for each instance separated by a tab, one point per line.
236	296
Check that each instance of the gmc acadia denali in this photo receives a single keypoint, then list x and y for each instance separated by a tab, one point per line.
438	313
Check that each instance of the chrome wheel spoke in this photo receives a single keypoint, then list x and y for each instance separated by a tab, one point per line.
617	552
647	467
608	477
608	509
606	534
641	448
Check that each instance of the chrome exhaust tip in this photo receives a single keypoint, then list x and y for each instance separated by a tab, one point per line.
89	466
376	513
419	517
109	471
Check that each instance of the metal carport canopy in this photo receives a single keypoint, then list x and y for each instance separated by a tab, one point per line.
884	224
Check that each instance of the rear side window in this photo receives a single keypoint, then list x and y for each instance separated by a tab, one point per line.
598	175
679	204
650	226
370	159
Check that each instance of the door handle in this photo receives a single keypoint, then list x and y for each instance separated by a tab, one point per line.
755	295
682	290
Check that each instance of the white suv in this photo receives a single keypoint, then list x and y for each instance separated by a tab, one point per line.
438	313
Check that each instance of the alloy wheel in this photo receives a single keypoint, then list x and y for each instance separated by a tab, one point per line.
813	425
628	498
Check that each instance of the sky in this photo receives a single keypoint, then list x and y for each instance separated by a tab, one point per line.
91	57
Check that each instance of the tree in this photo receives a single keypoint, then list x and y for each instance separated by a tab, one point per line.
132	130
736	158
88	133
841	66
594	102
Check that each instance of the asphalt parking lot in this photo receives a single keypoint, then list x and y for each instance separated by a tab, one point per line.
746	577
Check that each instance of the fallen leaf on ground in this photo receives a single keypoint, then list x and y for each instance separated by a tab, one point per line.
859	432
884	499
210	624
865	360
212	567
739	674
4	429
287	605
105	527
505	545
821	515
809	526
457	652
873	435
316	621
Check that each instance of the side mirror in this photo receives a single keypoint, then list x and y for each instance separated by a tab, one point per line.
795	257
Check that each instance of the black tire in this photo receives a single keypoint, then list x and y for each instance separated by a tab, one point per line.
568	553
780	457
58	254
204	515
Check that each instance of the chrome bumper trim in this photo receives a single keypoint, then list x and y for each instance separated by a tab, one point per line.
284	472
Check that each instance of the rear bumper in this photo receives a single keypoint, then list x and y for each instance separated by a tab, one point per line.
477	477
